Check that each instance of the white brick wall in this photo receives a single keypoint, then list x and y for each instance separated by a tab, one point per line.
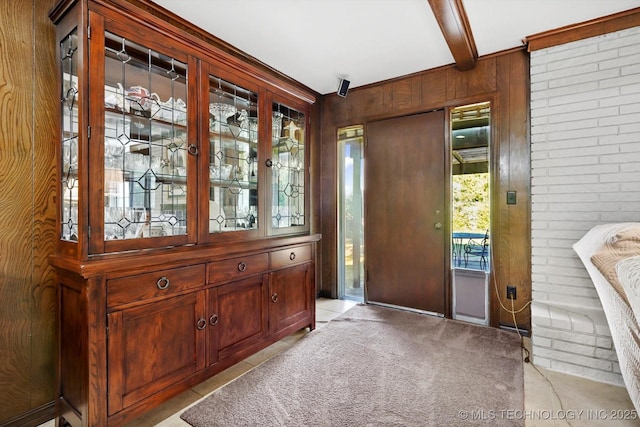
585	171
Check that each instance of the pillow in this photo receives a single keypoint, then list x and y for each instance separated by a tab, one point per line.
624	244
629	276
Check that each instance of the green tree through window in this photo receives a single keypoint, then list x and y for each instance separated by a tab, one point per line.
471	202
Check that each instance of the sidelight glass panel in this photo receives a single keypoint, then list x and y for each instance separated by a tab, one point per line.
69	136
233	157
470	133
350	213
287	167
145	142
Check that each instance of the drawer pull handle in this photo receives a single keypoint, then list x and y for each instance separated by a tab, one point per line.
213	320
162	283
292	256
202	323
242	267
274	298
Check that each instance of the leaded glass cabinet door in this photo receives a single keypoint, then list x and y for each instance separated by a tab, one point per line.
148	157
70	98
288	169
232	169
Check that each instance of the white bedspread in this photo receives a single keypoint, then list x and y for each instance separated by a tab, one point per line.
620	316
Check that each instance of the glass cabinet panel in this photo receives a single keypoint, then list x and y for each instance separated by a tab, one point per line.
233	157
288	167
145	142
69	138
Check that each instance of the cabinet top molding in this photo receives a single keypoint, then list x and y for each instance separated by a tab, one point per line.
147	13
171	257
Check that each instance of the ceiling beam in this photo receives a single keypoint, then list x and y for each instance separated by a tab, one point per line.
455	27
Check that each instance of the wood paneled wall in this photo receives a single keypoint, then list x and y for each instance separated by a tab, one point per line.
27	206
502	79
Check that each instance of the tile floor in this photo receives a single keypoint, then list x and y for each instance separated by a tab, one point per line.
551	398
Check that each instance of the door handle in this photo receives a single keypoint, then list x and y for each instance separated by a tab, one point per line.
437	226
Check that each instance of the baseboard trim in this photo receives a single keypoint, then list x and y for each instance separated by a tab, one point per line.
411	309
33	417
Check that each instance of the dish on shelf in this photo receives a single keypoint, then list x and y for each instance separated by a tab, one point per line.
220	171
171	110
140	98
253	124
222	111
114	96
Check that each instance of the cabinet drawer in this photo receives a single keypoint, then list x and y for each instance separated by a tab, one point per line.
157	284
290	256
235	268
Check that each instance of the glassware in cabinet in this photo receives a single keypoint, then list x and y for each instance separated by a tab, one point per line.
145	142
288	167
233	157
69	93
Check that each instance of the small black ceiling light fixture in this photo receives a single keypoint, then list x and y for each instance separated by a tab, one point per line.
343	87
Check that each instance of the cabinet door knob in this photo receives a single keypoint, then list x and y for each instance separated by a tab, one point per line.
268	163
292	256
202	323
163	283
242	267
274	298
193	149
213	320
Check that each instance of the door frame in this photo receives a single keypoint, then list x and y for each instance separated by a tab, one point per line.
494	183
494	206
340	250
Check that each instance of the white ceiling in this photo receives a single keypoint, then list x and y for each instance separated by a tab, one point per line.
316	42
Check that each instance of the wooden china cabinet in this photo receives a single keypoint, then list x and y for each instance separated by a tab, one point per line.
184	239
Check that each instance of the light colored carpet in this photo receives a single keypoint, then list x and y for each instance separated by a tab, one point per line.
376	366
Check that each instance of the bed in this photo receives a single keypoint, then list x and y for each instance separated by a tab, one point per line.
611	255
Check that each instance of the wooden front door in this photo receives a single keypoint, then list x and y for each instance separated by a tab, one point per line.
405	221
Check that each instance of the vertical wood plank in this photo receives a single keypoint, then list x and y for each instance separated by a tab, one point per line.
482	79
43	381
513	237
328	211
401	91
16	181
434	87
500	230
519	181
387	98
372	105
457	84
416	91
27	232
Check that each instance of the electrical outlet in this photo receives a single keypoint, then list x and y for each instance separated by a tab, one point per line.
511	292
